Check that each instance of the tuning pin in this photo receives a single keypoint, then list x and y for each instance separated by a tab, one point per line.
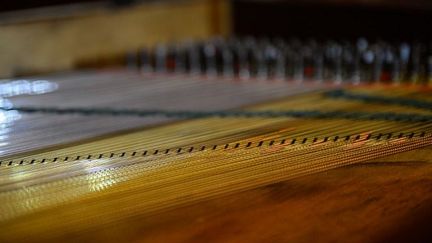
392	65
145	61
280	66
279	43
338	64
298	68
378	61
132	60
404	57
388	64
333	62
171	59
429	64
209	51
161	53
307	53
179	59
361	49
243	63
348	63
417	67
227	62
193	57
318	64
396	74
366	65
257	65
294	58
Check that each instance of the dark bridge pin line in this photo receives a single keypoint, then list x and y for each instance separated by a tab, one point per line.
379	137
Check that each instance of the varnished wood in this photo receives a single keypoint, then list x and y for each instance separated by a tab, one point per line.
57	44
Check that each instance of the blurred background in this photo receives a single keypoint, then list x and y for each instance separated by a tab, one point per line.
59	35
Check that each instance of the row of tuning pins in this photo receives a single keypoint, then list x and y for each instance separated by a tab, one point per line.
244	58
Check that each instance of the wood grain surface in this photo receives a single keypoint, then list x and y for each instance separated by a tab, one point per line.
57	43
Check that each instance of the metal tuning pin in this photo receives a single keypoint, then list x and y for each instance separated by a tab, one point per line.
270	59
366	65
391	69
333	56
417	69
294	57
361	47
261	65
145	61
227	58
193	56
132	60
348	63
330	61
209	51
308	61
161	53
396	70
179	59
318	63
280	65
404	53
243	60
429	64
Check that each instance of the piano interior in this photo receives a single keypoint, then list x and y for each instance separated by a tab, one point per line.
215	121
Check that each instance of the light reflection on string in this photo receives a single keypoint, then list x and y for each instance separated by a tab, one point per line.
11	88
